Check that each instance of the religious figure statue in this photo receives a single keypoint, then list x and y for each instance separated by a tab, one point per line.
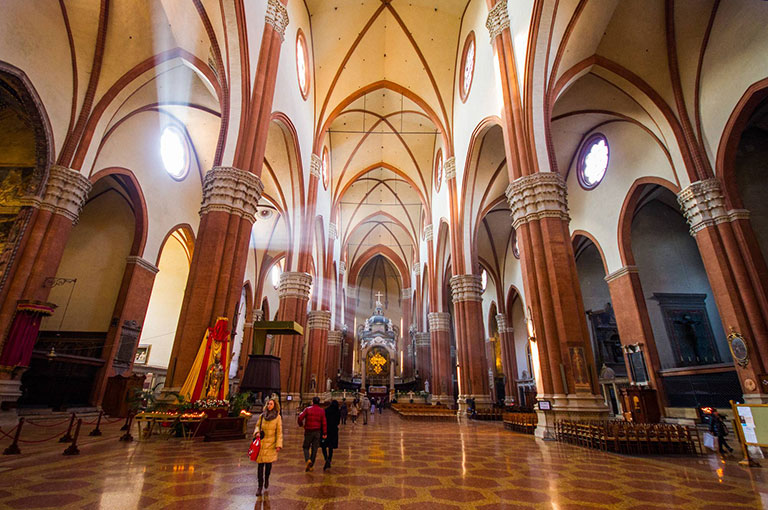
426	386
213	379
328	384
312	382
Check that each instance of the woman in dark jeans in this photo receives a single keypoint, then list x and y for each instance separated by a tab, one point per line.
718	429
331	442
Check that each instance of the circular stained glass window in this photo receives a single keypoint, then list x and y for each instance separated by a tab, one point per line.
484	279
275	275
302	63
173	152
593	162
438	170
325	168
468	66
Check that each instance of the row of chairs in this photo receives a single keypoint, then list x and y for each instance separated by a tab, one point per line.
521	422
424	411
492	413
628	437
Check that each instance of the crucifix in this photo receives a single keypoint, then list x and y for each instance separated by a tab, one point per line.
378	296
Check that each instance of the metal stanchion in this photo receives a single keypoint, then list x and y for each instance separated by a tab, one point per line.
67	438
73	449
13	449
127	436
97	430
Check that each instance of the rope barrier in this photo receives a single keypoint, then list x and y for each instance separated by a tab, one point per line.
73	449
67	437
8	434
38	441
48	426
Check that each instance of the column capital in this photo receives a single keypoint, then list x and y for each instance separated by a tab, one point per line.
294	284
315	166
277	16
428	233
142	263
501	322
333	232
319	319
703	205
231	190
422	339
498	19
450	168
620	272
417	269
342	267
466	287
65	192
257	315
439	321
334	337
537	196
406	293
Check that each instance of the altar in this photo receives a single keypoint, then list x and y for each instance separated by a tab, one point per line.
378	340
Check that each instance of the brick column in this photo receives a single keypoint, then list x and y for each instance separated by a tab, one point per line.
508	359
318	325
333	354
634	323
215	281
421	343
42	246
734	274
441	372
568	377
293	293
466	291
406	346
127	321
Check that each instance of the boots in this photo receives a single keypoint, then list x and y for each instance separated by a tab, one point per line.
259	491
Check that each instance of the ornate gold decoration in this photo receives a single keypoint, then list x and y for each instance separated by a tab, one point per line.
739	349
377	363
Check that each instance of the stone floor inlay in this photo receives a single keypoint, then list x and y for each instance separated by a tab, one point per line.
389	463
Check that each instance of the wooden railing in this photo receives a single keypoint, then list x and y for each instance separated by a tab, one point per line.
424	411
521	422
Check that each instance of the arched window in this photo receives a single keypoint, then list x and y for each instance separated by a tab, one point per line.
593	161
275	273
326	168
302	63
484	279
174	152
467	66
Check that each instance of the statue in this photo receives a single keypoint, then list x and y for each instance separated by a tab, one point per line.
426	386
328	384
312	382
213	379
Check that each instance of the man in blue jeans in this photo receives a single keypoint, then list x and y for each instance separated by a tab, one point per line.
315	427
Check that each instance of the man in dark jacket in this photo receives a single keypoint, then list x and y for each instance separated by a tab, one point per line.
315	426
718	429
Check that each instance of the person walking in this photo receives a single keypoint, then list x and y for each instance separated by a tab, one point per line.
270	428
354	410
365	407
344	410
718	428
331	441
381	405
374	401
315	427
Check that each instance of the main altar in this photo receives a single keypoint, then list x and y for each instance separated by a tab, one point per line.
378	340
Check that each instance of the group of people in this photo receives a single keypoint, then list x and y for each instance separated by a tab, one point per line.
321	431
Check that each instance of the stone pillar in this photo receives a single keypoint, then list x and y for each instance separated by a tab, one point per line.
422	340
634	323
348	367
333	356
215	281
52	217
127	321
318	325
441	376
293	293
508	359
736	273
566	363
466	291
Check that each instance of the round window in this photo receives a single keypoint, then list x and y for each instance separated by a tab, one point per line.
325	169
173	152
468	66
438	169
593	161
484	279
302	63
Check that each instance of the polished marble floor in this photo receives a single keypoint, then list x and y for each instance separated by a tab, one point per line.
387	464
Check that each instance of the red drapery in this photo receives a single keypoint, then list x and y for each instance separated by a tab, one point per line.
17	350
